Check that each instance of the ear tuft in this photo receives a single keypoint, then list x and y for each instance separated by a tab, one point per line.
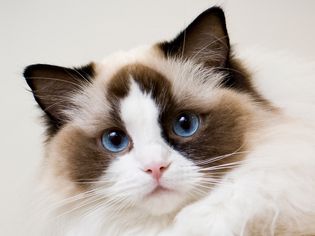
52	87
205	40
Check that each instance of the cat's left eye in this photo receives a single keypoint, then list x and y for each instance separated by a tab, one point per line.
115	140
186	124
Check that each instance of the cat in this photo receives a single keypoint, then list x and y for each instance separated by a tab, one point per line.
185	137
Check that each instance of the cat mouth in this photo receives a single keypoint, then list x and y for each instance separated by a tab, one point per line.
158	190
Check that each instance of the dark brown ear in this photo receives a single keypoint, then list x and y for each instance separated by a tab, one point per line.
52	86
205	40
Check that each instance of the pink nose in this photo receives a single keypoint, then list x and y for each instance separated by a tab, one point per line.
156	170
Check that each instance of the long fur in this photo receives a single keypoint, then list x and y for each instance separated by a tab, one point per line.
261	182
270	193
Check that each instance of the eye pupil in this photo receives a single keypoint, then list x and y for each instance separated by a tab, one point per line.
184	122
115	140
185	125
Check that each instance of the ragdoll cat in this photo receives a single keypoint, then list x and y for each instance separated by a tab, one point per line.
180	138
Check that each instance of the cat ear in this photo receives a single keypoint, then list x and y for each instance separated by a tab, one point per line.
52	86
205	40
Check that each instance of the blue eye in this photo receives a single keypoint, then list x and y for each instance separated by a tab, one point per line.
115	140
186	124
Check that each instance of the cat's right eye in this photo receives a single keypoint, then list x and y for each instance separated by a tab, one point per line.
115	140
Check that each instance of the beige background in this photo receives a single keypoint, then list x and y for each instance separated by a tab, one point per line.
75	32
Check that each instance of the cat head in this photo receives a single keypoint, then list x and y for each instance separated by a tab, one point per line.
153	128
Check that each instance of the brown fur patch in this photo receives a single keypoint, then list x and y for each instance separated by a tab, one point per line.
222	132
148	80
84	160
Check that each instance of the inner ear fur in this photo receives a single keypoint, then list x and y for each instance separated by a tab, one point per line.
205	40
52	85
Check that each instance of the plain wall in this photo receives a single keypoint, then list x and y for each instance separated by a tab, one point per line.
73	32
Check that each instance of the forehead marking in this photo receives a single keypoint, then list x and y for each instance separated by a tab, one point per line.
138	94
140	114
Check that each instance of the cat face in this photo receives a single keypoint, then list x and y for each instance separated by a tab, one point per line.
152	129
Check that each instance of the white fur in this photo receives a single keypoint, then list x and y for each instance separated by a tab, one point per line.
274	191
273	188
284	79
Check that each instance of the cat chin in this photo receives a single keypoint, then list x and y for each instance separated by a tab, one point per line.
161	202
